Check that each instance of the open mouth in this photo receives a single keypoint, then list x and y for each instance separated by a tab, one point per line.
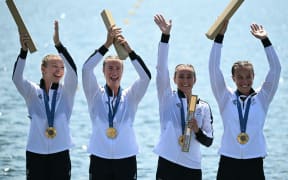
114	78
57	76
186	85
245	86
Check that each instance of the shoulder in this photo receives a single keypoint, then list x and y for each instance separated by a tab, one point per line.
203	103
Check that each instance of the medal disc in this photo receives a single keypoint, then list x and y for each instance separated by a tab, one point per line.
111	132
50	132
243	138
181	140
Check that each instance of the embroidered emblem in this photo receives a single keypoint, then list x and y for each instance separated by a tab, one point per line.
253	101
198	112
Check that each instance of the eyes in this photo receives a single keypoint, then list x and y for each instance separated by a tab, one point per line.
182	76
111	68
249	77
244	74
57	67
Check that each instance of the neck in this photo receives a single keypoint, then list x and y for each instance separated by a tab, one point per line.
113	90
188	96
245	93
47	85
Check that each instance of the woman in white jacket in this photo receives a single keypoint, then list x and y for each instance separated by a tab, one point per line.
243	110
173	163
112	110
49	106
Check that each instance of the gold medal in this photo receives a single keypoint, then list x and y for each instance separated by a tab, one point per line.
50	132
111	132
181	140
243	138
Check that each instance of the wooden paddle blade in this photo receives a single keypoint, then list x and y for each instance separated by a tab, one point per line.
225	15
20	24
109	21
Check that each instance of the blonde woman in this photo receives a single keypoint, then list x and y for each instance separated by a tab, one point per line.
49	106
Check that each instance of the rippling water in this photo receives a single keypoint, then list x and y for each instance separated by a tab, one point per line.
82	31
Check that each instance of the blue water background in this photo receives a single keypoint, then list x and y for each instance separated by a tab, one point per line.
82	31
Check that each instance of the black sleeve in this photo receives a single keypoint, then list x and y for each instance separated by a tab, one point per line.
133	56
203	139
23	55
61	49
219	38
102	50
165	38
266	42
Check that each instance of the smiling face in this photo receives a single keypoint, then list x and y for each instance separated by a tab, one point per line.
185	78
52	69
243	76
113	70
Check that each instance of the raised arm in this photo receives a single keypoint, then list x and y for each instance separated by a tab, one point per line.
71	78
216	77
162	77
270	85
22	85
62	50
140	86
89	81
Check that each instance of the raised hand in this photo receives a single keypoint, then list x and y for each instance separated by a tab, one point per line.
121	40
113	32
56	33
164	26
224	27
258	31
24	39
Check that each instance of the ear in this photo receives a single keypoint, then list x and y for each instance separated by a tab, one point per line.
43	69
233	78
175	80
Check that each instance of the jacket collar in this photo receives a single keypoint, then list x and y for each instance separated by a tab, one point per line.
180	93
54	85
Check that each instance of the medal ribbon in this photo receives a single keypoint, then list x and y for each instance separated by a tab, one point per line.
50	113
243	120
111	114
182	115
